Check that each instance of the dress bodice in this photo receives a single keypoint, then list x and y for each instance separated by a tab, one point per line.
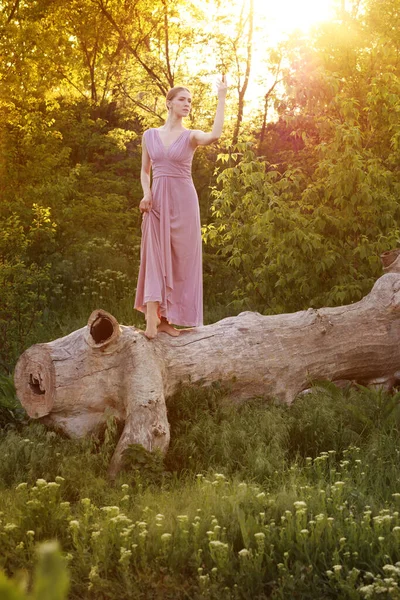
174	161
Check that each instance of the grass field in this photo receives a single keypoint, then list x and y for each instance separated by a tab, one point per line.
258	501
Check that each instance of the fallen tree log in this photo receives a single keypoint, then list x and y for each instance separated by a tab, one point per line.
74	383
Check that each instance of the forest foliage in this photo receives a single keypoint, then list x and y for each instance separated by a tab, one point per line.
298	198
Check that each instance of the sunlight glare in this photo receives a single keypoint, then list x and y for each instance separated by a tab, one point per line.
285	16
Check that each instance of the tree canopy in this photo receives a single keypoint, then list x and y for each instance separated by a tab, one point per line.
297	200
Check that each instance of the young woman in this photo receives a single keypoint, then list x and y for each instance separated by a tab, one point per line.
169	289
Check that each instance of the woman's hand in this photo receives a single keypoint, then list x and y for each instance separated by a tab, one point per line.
222	87
146	203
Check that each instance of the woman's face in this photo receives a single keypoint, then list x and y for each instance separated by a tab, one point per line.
181	104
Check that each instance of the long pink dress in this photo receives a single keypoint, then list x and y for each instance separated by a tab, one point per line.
170	257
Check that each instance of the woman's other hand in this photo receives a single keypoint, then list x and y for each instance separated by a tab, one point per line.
146	203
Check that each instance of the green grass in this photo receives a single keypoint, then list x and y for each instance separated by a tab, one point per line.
252	501
11	411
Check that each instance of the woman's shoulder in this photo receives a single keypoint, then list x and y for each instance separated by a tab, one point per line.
149	131
148	134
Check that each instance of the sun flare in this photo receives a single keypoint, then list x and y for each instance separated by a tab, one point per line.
275	22
285	16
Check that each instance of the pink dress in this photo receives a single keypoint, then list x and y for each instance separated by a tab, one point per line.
170	257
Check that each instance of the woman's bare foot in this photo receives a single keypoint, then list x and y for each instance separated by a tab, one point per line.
168	328
152	320
152	324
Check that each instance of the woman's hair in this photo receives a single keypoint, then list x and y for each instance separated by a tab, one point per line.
175	91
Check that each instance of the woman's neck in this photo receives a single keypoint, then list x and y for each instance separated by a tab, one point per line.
172	123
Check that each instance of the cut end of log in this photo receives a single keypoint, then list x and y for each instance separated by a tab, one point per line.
390	262
102	329
35	381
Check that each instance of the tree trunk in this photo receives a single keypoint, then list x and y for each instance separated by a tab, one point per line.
74	383
242	89
265	113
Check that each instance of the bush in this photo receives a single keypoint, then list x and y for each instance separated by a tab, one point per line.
25	282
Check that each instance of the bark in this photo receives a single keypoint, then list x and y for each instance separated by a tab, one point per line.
74	383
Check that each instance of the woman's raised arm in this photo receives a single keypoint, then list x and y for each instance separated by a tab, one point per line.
200	138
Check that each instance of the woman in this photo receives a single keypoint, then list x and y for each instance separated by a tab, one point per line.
169	289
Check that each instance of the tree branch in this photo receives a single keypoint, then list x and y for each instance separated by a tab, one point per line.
170	75
266	97
140	104
134	52
242	91
13	11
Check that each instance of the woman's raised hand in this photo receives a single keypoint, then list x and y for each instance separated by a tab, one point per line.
222	86
146	203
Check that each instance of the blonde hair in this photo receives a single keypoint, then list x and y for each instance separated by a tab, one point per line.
174	92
